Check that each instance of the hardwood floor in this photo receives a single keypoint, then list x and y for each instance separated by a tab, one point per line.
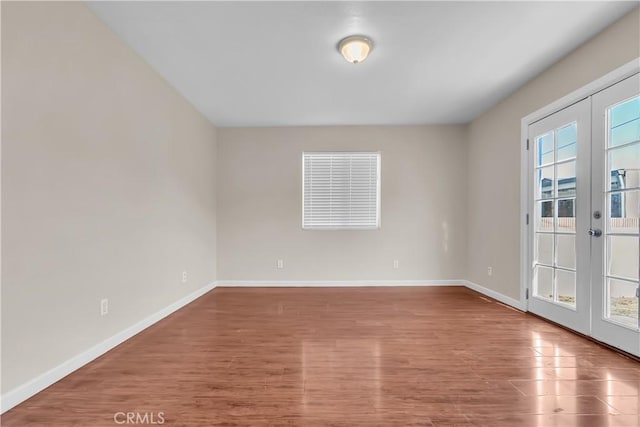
438	356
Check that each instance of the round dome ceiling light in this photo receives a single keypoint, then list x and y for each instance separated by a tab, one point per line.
355	49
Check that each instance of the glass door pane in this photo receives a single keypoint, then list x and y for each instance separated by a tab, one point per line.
622	233
616	193
555	226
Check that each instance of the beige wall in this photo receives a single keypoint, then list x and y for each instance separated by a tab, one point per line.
108	188
423	205
494	153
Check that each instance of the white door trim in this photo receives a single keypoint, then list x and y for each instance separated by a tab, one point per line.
590	89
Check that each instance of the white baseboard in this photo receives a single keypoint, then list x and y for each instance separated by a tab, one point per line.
334	283
496	295
25	391
363	283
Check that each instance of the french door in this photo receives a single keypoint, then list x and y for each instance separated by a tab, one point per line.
616	204
584	202
560	158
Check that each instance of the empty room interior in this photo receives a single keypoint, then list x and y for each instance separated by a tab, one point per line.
375	213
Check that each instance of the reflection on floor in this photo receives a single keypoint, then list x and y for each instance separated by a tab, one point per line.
435	356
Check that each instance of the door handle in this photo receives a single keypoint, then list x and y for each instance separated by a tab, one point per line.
594	233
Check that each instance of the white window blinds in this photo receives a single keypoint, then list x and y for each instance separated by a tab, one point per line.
340	190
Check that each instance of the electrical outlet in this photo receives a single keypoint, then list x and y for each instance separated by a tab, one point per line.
396	264
184	277
104	307
280	263
490	271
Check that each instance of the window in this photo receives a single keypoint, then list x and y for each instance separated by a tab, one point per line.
340	191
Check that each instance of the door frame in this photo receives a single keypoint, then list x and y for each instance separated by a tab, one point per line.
615	76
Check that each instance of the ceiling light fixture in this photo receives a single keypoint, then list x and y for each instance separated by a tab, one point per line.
355	49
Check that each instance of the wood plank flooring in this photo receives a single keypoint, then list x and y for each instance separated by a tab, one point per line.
438	356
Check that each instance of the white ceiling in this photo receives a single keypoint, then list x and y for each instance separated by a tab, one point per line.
276	63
